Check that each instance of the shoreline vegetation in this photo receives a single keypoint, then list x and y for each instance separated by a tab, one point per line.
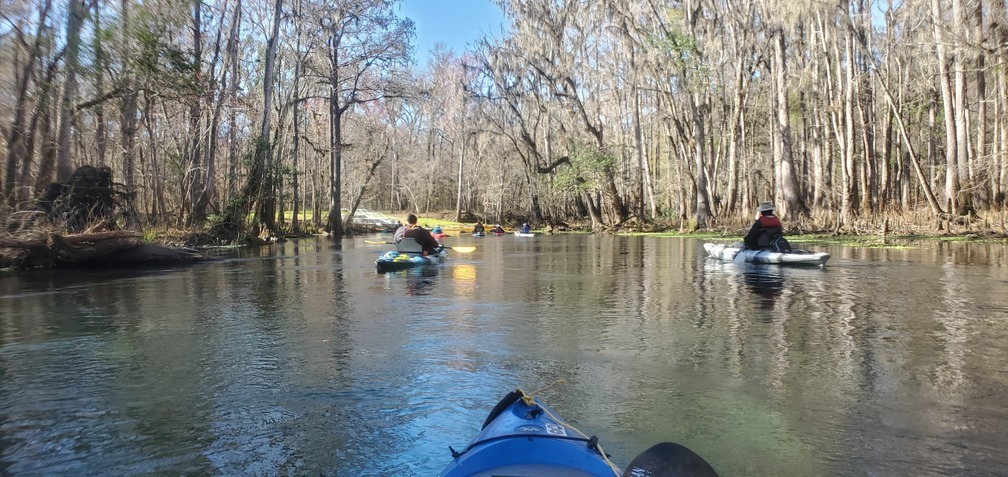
49	247
889	231
660	116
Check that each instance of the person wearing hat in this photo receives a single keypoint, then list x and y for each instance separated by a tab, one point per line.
766	232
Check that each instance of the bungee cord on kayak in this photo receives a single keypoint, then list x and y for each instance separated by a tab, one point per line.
593	441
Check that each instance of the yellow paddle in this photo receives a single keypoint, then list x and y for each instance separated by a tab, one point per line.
457	249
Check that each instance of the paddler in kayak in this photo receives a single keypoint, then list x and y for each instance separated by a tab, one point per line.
422	236
767	232
479	229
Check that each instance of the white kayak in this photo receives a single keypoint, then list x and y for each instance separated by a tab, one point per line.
524	234
728	253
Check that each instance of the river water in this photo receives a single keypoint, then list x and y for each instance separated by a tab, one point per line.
299	359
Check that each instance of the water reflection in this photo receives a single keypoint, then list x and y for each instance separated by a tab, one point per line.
464	279
766	282
416	281
300	359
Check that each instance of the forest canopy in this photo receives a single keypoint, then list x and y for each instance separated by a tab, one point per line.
252	118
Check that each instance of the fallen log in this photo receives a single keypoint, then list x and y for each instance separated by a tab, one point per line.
84	247
102	249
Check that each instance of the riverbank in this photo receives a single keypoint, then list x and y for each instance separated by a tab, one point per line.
891	230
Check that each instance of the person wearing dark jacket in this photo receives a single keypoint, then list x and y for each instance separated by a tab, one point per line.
766	232
422	236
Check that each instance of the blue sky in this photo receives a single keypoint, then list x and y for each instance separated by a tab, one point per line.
456	23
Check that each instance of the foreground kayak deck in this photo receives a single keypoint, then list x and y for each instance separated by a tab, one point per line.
522	437
728	253
526	439
392	260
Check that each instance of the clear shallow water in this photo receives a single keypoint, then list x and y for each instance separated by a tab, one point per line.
300	359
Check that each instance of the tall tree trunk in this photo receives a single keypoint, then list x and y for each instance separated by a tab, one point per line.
266	210
889	154
297	113
128	103
1000	149
258	186
101	135
638	134
235	59
866	98
17	135
960	111
793	203
848	202
921	177
461	168
194	175
703	213
981	92
819	186
734	133
334	221
64	163
948	106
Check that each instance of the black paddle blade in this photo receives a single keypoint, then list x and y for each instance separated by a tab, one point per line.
669	459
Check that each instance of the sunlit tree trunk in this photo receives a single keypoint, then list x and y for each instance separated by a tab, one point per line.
963	160
793	204
461	168
948	107
848	201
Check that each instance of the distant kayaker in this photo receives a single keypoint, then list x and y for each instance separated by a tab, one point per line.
437	230
525	228
479	229
498	229
767	232
422	236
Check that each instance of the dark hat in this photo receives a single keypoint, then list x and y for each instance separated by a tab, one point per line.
766	206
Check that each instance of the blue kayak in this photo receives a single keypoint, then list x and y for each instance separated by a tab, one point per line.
522	437
393	260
